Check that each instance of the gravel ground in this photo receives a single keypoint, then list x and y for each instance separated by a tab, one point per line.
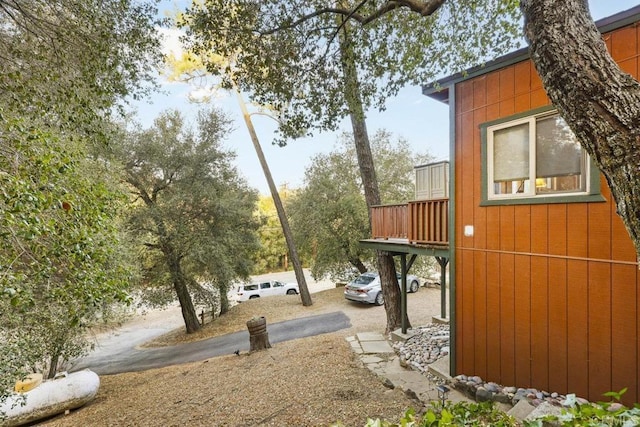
314	381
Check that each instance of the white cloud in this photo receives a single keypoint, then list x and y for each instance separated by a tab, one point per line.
170	42
203	94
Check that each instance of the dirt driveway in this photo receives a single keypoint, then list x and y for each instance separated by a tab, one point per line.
312	381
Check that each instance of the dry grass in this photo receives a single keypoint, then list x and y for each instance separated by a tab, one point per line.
313	381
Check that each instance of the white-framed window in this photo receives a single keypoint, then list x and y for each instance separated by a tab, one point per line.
535	156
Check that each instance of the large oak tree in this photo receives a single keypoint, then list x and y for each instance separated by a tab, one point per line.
193	213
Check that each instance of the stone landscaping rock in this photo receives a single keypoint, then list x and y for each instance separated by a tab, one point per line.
545	408
615	406
521	410
428	344
502	397
492	387
388	384
483	395
431	342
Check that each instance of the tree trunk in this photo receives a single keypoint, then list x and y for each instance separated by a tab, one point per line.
189	315
258	335
224	300
386	266
357	263
599	102
53	366
284	222
191	322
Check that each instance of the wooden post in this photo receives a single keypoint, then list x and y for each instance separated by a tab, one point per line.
403	294
258	335
443	285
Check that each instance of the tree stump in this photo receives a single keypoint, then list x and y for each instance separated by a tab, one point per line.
258	335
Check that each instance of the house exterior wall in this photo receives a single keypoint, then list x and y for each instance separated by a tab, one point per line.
547	295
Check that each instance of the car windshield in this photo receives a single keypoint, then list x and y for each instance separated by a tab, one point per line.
364	280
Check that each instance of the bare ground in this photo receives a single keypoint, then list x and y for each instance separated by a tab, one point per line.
313	381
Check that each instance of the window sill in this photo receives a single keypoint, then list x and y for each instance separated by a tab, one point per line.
538	200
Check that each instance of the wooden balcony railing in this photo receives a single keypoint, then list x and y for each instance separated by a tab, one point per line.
429	221
389	222
420	221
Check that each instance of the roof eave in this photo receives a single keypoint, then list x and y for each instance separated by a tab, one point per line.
439	90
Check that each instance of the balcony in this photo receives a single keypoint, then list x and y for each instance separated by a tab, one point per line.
420	222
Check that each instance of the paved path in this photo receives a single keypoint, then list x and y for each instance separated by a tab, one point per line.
378	356
126	357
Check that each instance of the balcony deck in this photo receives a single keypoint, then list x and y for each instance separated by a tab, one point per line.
417	227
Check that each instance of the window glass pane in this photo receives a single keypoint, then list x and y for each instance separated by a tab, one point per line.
511	153
560	161
511	160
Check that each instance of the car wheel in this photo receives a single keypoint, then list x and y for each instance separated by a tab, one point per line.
379	299
414	286
291	292
254	296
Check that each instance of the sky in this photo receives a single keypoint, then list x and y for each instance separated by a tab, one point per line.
422	121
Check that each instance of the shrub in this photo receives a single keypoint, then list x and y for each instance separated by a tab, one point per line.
611	413
457	414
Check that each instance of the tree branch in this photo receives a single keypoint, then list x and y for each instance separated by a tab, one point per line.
423	7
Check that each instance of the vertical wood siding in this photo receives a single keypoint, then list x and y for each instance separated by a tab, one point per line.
547	295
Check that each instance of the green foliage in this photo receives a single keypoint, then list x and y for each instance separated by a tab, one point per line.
466	414
610	413
273	248
75	59
59	252
451	414
329	214
599	414
64	65
192	215
287	55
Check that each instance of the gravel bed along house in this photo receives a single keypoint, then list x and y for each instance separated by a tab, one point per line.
431	342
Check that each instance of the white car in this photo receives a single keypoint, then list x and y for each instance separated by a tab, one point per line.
264	289
367	288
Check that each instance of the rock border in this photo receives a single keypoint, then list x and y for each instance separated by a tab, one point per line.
431	342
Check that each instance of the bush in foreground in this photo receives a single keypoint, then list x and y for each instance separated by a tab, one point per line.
611	413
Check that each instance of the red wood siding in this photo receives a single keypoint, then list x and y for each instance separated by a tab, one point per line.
547	296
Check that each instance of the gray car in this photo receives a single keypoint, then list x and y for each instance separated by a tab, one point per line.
367	288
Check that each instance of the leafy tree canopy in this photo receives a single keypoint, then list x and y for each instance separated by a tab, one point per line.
286	54
63	65
273	248
192	213
60	258
70	61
